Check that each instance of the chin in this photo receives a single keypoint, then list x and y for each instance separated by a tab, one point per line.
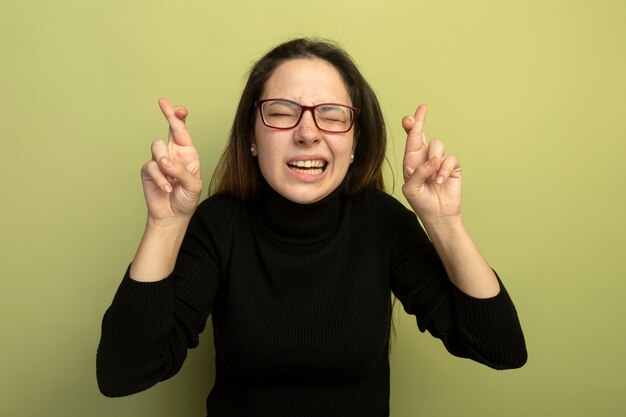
304	196
304	199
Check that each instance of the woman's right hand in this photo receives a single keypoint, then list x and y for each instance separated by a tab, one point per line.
171	179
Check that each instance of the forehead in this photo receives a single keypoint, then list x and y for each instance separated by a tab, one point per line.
307	81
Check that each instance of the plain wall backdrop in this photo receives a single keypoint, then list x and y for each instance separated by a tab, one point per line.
528	94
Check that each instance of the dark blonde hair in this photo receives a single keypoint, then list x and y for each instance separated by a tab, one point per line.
238	174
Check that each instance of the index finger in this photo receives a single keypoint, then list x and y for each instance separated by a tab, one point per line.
414	128
178	130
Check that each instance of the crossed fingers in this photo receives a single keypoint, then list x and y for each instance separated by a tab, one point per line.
175	117
165	168
430	158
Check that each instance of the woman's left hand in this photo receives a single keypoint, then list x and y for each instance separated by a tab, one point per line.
432	179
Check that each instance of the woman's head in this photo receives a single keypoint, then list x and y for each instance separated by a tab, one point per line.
240	174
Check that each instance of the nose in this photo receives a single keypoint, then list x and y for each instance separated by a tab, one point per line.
307	133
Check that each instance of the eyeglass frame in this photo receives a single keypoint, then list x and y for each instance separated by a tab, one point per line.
355	113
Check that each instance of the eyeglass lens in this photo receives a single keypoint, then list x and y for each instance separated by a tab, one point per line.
285	114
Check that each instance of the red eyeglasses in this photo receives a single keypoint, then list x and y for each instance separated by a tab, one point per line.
286	114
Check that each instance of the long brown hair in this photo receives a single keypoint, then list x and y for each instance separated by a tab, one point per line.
238	173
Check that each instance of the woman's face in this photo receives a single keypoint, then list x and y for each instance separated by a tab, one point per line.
304	164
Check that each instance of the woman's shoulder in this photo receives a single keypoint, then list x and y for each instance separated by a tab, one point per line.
217	201
377	206
219	210
390	221
381	202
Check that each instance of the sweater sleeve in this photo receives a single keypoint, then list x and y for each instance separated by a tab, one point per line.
149	326
485	330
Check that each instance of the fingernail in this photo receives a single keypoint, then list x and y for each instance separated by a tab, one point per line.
440	179
167	188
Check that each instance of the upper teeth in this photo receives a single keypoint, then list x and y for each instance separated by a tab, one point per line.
308	164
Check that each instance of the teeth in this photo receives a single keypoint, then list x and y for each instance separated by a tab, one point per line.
308	164
308	167
314	171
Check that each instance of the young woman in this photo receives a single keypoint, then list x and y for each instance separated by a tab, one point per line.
296	252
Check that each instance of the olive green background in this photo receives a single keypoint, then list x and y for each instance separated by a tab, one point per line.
528	94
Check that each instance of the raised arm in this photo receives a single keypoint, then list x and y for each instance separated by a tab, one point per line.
150	325
172	185
432	186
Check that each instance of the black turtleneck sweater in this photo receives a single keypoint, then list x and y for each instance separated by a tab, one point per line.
300	301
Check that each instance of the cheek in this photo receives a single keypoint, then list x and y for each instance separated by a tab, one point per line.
267	161
343	149
269	154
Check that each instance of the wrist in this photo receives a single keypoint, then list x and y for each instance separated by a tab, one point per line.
167	225
157	252
446	224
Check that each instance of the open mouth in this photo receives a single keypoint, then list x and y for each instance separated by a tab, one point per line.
314	167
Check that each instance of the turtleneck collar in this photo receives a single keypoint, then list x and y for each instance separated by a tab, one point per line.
293	221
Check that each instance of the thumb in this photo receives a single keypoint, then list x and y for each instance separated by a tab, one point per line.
181	174
422	173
